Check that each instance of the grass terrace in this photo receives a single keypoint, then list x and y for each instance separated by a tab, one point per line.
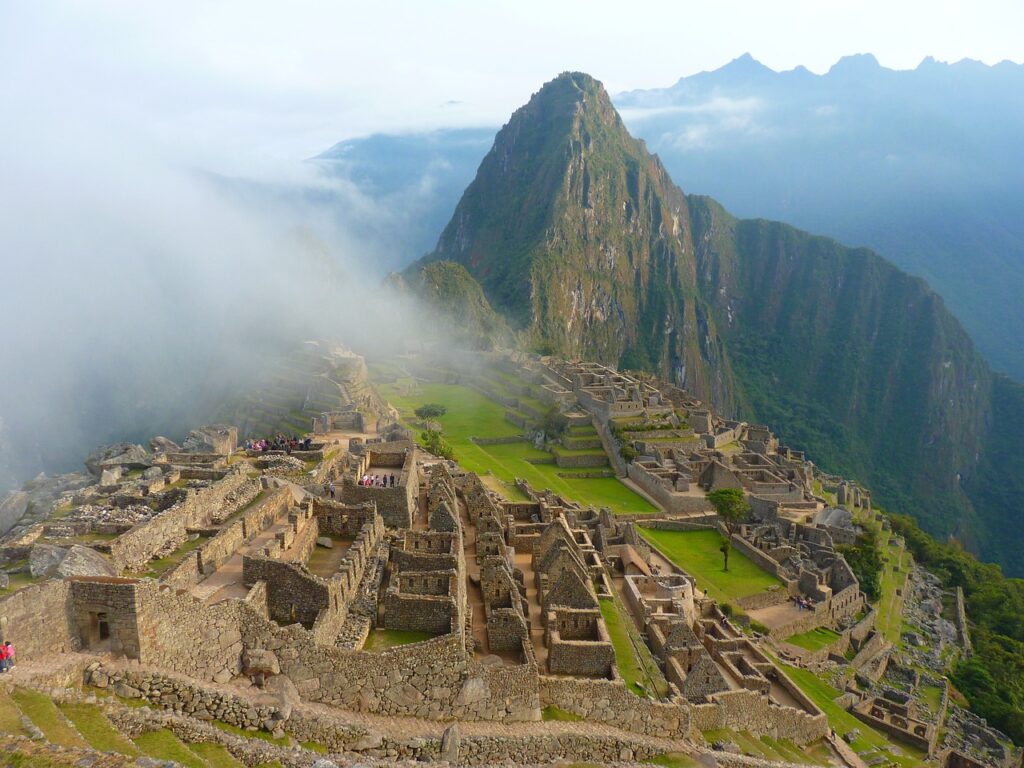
41	710
164	745
673	760
696	552
16	581
632	656
159	567
554	713
767	748
814	640
470	414
824	695
96	729
382	639
215	755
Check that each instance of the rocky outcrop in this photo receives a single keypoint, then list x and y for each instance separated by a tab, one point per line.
127	455
14	505
214	438
46	560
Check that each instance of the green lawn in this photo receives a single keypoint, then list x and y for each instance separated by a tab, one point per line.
94	726
632	656
41	710
814	640
696	552
824	695
164	745
216	755
382	639
470	414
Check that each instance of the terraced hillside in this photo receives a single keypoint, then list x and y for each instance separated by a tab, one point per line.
487	424
290	393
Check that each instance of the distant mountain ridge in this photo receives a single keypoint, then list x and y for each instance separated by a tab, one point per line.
925	166
578	236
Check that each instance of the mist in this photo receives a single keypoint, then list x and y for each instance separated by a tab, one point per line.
140	284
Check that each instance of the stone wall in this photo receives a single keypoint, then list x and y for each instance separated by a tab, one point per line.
114	602
37	620
580	460
395	505
180	634
702	523
337	519
433	679
167	691
437	614
660	489
166	531
609	702
749	711
293	595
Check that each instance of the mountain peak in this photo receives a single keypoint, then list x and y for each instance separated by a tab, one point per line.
745	64
858	63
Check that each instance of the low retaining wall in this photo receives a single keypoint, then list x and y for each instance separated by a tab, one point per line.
609	702
749	711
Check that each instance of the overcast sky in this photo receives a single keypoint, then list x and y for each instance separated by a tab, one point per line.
241	84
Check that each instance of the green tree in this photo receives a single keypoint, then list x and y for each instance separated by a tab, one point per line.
431	411
436	444
555	423
866	563
732	507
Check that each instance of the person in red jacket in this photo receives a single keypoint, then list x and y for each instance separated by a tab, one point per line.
9	649
3	658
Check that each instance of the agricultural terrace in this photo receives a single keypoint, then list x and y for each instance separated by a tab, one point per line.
824	695
696	552
896	566
471	414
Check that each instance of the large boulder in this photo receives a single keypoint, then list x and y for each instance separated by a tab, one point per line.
128	455
110	476
214	438
161	444
44	559
450	744
12	508
83	561
256	661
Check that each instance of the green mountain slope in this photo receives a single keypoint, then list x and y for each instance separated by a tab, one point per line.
578	236
852	359
457	300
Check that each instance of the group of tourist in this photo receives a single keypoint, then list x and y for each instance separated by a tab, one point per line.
803	603
378	481
279	443
6	657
